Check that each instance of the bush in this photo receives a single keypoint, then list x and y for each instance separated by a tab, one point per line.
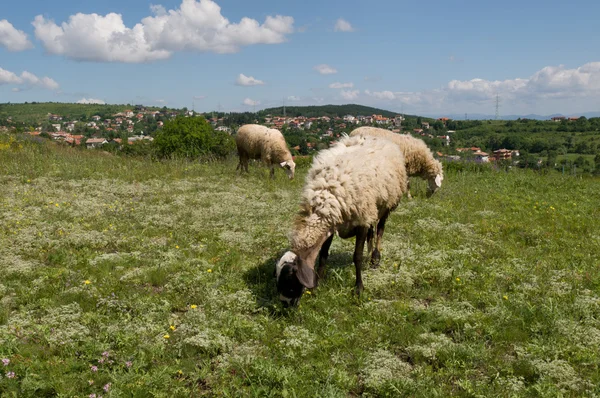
191	137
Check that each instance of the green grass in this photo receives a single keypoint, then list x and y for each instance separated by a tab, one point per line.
489	288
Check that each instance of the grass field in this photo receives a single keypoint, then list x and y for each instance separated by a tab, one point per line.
122	277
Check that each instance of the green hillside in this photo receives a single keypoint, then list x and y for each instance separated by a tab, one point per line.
328	110
38	112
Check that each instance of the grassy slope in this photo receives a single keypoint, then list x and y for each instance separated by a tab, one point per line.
489	288
37	113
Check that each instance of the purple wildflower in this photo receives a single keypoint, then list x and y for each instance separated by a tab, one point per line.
92	395
128	364
94	368
105	354
10	375
5	361
106	387
101	360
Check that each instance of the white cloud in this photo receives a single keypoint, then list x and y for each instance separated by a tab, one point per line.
199	97
293	98
251	102
243	80
349	94
13	39
8	77
91	101
197	25
341	85
342	25
551	83
388	95
27	79
325	69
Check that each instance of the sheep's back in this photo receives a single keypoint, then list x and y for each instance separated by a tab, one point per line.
355	181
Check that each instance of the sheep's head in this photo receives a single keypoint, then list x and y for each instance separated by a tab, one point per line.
434	184
289	166
293	277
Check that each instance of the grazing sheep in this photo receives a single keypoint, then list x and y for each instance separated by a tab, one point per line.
254	141
419	159
350	187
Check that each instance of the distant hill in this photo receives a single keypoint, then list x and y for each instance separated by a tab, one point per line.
328	110
479	116
37	112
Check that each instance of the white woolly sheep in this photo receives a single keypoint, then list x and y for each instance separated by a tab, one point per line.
350	187
254	141
419	159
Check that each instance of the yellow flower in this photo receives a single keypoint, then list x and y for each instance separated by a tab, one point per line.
166	336
179	372
395	264
28	181
505	297
458	279
56	204
87	281
176	247
172	327
209	270
393	283
193	306
307	292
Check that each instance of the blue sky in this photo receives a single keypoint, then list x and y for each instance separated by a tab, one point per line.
416	57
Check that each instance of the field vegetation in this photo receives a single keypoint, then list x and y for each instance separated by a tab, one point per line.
121	276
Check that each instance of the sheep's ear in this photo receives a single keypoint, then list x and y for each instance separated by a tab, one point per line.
438	180
282	164
306	275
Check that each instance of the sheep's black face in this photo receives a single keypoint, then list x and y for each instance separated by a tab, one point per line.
288	285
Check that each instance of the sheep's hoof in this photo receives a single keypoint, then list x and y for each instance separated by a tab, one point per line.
375	259
358	289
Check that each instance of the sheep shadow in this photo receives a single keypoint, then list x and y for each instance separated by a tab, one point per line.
261	280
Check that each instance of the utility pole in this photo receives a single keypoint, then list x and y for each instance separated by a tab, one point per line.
497	107
284	108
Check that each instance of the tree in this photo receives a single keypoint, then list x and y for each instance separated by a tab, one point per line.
192	137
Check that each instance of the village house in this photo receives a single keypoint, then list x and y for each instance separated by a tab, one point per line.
425	125
502	154
558	118
481	157
224	129
398	120
445	139
95	142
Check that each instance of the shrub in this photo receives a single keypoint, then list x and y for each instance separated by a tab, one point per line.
192	137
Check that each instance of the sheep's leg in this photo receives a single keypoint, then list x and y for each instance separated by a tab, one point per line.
245	161
408	190
323	255
370	240
361	236
272	172
376	256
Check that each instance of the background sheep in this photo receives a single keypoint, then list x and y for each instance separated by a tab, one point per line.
419	159
350	187
254	141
